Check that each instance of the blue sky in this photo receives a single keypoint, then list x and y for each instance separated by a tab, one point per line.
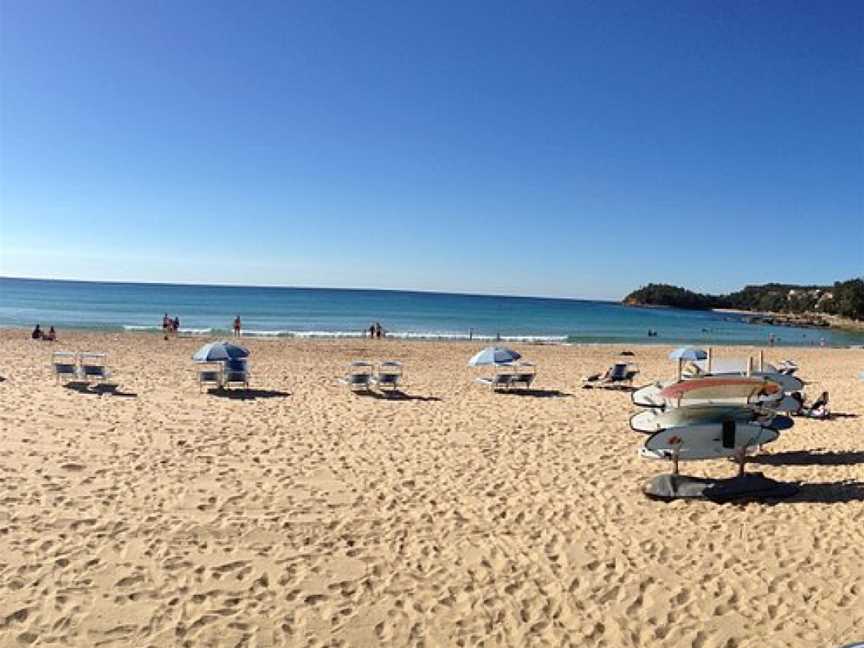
555	148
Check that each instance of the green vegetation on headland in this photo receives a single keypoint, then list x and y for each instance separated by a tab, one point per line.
798	305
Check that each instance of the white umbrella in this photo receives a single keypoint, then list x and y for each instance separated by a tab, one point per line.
494	355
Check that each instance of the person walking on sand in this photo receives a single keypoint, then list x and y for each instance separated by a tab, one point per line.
372	331
175	325
166	325
237	326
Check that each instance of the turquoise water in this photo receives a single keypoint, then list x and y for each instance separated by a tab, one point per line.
314	312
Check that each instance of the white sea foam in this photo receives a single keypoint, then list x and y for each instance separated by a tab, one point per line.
195	331
265	333
326	334
183	331
428	335
399	335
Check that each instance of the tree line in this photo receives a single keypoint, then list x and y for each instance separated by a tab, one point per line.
844	298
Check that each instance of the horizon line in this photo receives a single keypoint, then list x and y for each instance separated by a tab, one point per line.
283	286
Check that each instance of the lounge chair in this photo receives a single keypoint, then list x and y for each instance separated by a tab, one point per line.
524	374
359	376
499	381
787	367
93	367
620	374
388	376
209	376
65	364
235	372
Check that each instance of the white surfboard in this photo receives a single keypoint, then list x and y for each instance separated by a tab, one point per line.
648	396
707	440
654	420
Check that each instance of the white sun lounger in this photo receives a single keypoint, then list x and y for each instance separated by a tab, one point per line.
619	374
388	376
359	376
209	376
65	364
235	372
93	367
524	374
497	382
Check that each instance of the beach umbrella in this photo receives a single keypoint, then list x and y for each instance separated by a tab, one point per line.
494	355
688	353
219	352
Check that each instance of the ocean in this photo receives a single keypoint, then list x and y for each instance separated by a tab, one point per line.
318	312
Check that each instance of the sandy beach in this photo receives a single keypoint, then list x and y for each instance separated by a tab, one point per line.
304	515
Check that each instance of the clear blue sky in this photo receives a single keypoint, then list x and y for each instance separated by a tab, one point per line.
553	148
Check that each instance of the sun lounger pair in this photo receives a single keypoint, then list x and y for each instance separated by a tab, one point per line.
229	372
86	366
362	376
511	375
620	374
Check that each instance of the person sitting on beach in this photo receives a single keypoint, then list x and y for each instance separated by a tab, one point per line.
37	333
237	326
50	336
819	409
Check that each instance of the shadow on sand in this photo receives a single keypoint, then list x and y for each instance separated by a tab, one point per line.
622	388
537	393
829	493
101	389
247	394
396	395
808	458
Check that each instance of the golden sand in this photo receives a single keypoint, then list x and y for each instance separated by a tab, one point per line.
305	515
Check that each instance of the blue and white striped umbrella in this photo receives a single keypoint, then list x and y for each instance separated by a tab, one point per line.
219	352
688	353
494	355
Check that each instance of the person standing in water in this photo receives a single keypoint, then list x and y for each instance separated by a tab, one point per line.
237	326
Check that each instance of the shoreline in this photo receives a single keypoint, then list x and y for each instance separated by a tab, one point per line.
119	334
800	319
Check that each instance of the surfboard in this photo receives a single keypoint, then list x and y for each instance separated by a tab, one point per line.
738	367
648	396
720	388
707	440
787	405
653	420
